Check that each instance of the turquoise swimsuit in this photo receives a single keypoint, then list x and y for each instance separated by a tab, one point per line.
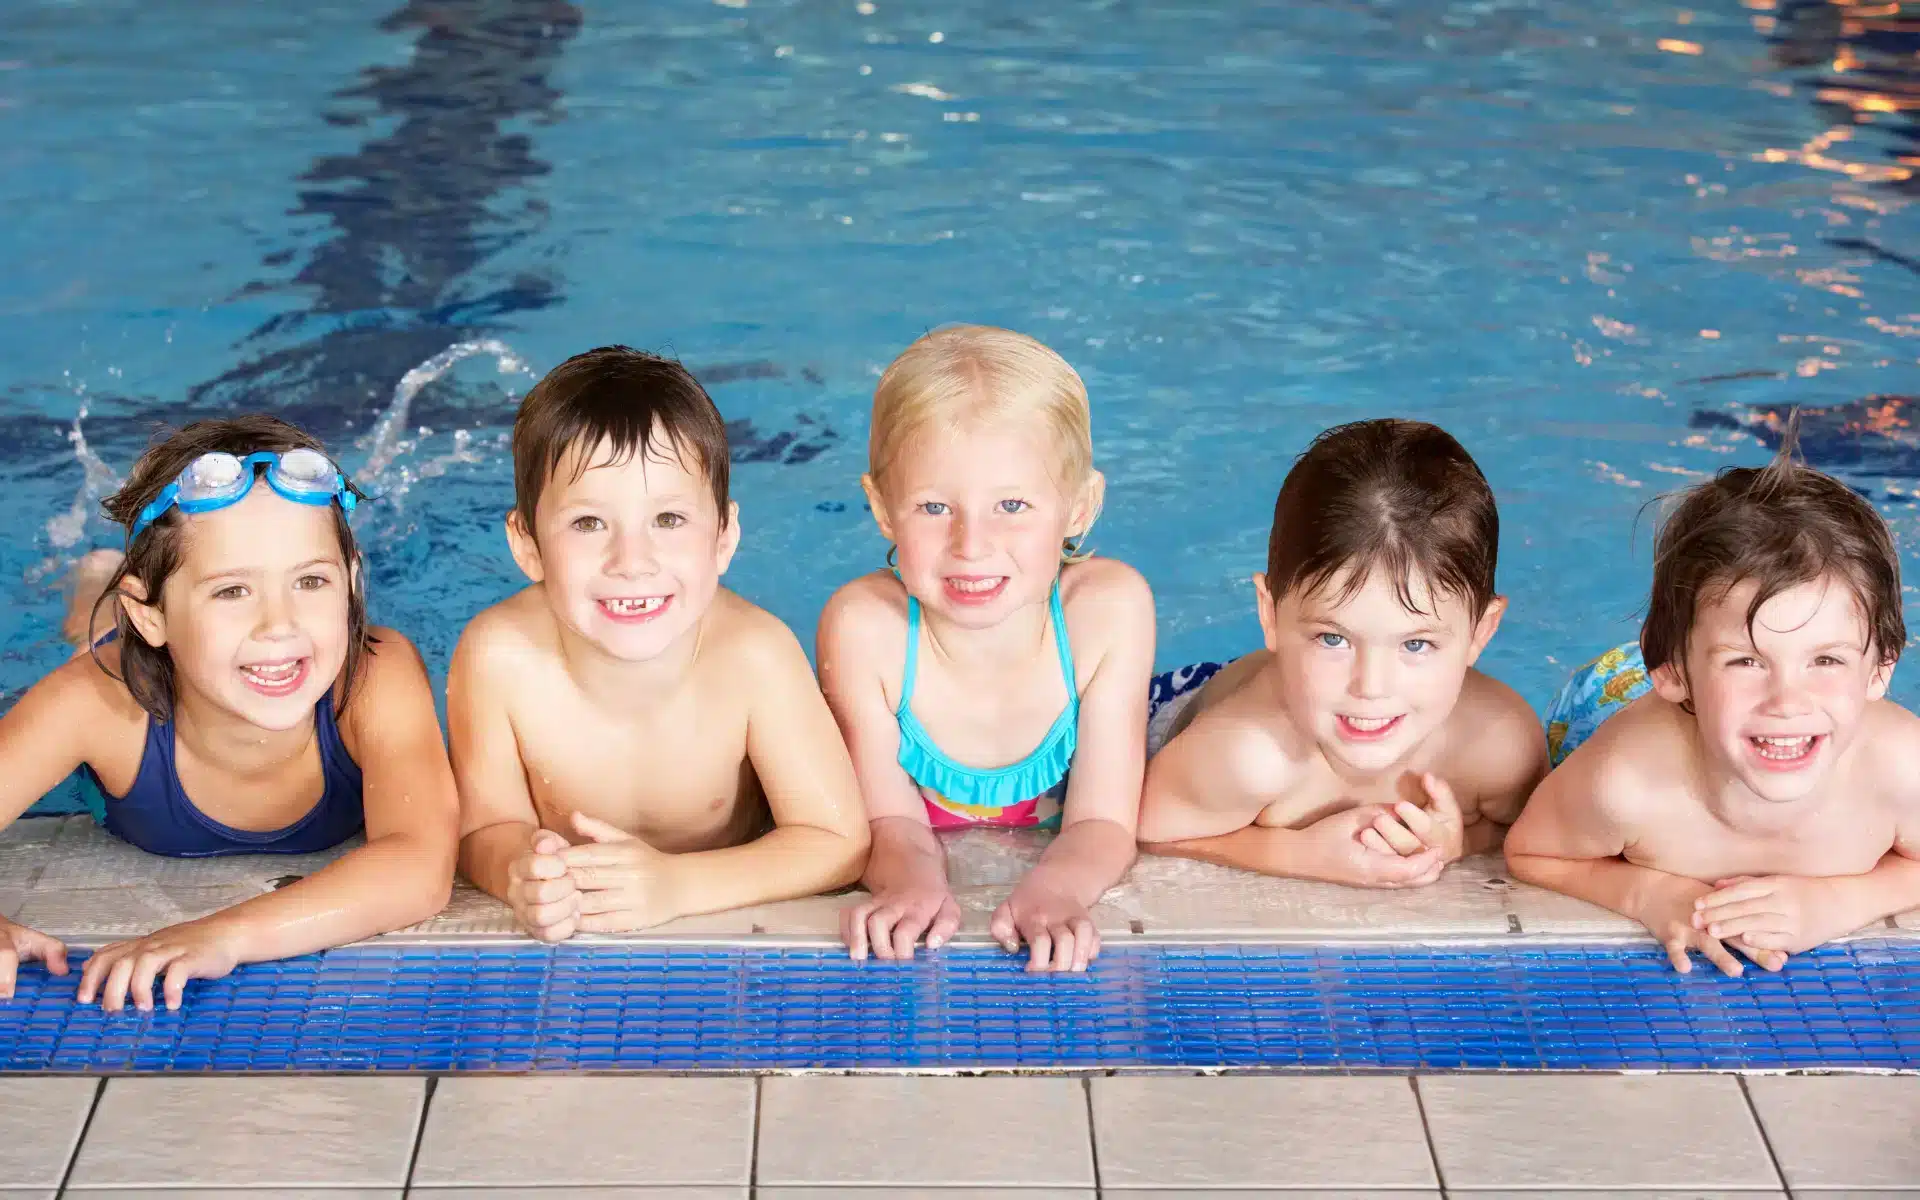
1023	794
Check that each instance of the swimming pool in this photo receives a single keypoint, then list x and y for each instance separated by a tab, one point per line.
1592	240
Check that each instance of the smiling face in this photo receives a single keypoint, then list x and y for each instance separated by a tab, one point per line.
630	551
1370	678
1778	704
255	617
978	516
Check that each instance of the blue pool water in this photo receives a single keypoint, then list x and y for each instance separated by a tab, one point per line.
1594	240
613	1007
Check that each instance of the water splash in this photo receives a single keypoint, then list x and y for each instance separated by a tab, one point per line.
65	530
388	441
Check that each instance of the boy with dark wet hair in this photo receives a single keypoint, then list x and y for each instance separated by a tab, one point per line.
625	702
1359	746
1738	781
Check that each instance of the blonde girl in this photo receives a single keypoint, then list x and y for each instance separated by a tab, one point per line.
997	675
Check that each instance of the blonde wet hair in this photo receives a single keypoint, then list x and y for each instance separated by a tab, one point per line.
969	376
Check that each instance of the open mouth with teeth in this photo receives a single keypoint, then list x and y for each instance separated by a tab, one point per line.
1366	729
1785	753
282	678
975	589
634	609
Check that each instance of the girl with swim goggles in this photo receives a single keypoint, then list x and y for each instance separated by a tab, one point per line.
240	660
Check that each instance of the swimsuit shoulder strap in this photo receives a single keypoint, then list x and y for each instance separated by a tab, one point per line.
911	671
1063	644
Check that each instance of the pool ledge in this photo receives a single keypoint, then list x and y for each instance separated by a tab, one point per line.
67	877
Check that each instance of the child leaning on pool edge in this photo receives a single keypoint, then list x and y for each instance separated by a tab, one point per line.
1765	797
240	704
634	742
1359	746
998	676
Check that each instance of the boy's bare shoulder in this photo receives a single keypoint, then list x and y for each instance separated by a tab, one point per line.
741	634
1892	741
1635	764
1242	733
1498	738
504	636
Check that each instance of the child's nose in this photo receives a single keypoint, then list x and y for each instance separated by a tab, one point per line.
1787	693
632	554
1372	673
276	615
968	538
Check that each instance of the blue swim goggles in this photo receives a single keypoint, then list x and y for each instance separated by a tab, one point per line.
214	481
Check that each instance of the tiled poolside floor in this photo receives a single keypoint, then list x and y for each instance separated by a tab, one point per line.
815	1137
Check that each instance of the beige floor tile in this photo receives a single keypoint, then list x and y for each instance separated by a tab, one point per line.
1855	1194
1584	1194
1595	1131
1834	1131
40	1123
533	1131
1113	1193
1908	922
924	1132
262	1132
1178	896
10	901
579	1193
230	1193
944	1193
1254	1132
1637	1194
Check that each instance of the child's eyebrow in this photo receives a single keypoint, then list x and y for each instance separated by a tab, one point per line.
230	573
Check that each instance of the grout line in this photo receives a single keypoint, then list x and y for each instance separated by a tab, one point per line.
1093	1136
753	1151
1761	1126
86	1127
1426	1130
420	1133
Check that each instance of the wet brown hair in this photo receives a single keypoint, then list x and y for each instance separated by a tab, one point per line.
1399	497
1777	526
626	398
156	553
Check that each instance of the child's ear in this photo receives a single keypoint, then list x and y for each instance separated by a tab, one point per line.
729	536
526	551
1092	497
148	621
1668	683
1881	679
877	506
1269	619
1486	627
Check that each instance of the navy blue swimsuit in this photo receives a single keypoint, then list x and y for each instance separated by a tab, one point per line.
157	816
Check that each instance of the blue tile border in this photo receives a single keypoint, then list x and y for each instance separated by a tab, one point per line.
524	1007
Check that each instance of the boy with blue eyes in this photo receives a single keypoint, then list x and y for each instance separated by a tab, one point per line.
1765	797
632	742
1359	746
